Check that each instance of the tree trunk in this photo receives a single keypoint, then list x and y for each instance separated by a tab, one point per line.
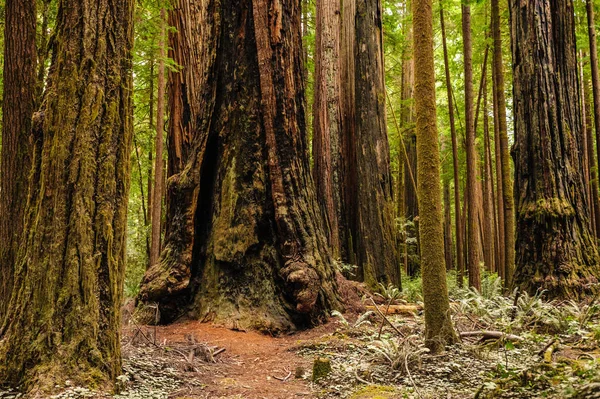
488	212
157	193
472	222
327	117
347	102
591	159
18	106
64	316
460	263
448	227
556	250
438	326
499	182
246	245
508	214
371	211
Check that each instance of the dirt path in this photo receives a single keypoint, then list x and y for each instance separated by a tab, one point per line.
249	365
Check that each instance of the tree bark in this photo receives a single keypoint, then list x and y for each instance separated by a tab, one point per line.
18	106
157	193
556	250
488	222
460	263
472	222
438	326
246	246
591	168
64	318
347	102
327	117
371	211
508	213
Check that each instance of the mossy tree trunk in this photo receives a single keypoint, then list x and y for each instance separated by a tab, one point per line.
438	326
246	245
63	319
17	109
556	251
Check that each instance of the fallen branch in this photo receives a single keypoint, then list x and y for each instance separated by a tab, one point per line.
385	318
491	335
399	309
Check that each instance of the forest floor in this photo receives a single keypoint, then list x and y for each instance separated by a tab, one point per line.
510	347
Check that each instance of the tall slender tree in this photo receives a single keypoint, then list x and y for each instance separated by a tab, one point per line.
246	244
20	57
157	189
457	218
63	318
556	250
327	117
438	326
472	183
508	214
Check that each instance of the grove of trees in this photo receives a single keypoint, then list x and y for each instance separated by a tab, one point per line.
237	162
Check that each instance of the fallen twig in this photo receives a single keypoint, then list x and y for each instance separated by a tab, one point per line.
218	352
491	335
283	379
386	319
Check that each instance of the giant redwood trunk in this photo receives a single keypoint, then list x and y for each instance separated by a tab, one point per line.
18	106
246	245
555	246
372	221
63	319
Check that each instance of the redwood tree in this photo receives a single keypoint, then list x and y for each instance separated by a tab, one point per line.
507	218
327	117
438	326
472	182
20	57
63	319
556	250
246	244
371	220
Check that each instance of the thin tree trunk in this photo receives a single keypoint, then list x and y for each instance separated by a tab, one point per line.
157	192
460	263
499	180
488	212
17	109
556	250
472	225
327	117
42	51
64	319
347	100
507	183
438	326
